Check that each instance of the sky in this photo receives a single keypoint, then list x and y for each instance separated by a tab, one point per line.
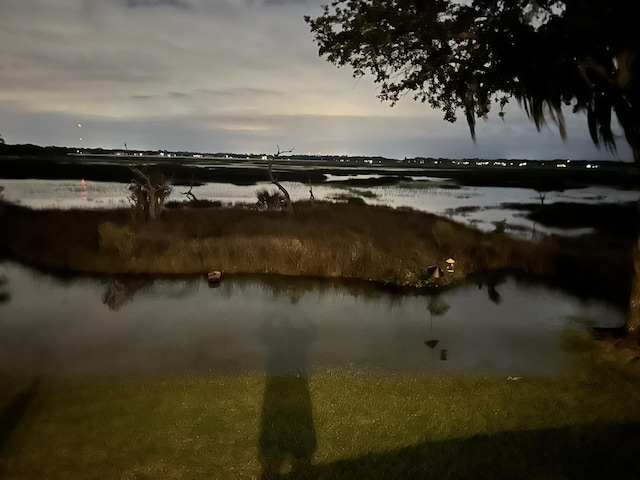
241	76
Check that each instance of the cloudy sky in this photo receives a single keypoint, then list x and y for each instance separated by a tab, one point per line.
222	76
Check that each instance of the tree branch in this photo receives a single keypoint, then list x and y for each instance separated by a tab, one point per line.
288	204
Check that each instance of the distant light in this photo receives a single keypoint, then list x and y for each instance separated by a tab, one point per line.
79	125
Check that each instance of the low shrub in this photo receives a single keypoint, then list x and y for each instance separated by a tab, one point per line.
118	240
270	200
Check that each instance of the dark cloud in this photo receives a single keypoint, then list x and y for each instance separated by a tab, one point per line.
243	91
144	97
157	3
290	2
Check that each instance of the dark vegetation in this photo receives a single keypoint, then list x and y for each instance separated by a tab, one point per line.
613	220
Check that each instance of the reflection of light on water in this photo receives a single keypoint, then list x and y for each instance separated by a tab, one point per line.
65	194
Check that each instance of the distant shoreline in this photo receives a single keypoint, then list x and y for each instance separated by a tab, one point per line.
58	163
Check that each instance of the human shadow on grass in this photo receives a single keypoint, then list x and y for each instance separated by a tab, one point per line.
287	439
11	415
595	451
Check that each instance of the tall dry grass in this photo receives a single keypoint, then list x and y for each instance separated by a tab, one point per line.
345	240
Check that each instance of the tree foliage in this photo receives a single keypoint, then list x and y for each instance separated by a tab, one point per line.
466	56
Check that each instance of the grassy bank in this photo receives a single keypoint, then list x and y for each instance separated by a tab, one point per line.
329	425
336	240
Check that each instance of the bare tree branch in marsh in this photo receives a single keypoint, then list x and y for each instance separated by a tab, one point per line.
311	197
288	204
190	195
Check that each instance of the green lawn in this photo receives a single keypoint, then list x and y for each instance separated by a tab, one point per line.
335	424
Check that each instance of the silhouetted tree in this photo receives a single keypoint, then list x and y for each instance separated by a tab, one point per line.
464	56
149	190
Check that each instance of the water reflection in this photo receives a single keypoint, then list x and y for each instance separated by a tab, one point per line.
287	435
118	292
492	281
436	307
61	327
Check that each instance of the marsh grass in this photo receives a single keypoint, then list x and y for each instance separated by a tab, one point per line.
338	240
351	193
585	424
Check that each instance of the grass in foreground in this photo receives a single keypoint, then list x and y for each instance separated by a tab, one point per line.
332	425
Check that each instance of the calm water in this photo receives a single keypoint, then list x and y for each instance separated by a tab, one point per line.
139	326
484	204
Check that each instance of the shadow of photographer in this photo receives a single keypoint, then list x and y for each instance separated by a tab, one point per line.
287	439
